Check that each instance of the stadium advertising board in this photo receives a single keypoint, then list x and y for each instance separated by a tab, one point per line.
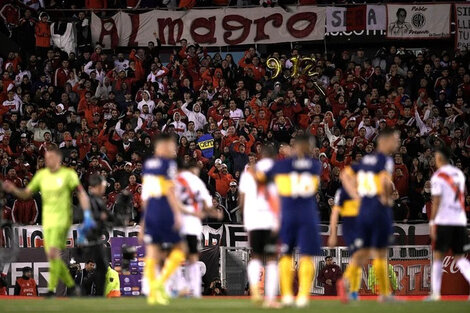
413	276
32	236
462	14
453	281
228	235
424	21
216	27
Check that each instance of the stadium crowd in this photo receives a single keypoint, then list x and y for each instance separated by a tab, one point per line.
172	4
102	107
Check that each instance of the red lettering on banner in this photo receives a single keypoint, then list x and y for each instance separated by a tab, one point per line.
244	24
261	22
112	32
135	21
355	18
38	242
310	17
168	22
207	23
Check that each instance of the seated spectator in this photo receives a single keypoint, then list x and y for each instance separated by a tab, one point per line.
25	285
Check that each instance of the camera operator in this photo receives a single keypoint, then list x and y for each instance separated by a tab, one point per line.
95	249
216	289
86	278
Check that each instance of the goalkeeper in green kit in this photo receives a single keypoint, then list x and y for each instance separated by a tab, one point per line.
56	184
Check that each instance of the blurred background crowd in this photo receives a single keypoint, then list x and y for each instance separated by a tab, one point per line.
101	107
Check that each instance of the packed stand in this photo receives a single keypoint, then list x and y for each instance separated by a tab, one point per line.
102	108
103	6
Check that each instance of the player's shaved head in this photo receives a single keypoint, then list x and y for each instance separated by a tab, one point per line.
268	151
442	156
54	149
163	137
388	141
53	158
190	165
186	165
303	145
164	146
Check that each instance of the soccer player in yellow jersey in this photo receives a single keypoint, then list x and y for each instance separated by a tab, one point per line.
371	182
56	184
297	180
162	219
348	208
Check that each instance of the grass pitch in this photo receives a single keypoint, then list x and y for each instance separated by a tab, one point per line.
217	305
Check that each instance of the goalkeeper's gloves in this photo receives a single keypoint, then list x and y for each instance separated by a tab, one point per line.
81	238
88	222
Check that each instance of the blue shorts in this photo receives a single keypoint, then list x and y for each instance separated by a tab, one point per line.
349	232
159	228
299	228
374	225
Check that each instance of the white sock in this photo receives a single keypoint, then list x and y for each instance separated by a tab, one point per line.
271	281
464	266
254	270
195	279
436	277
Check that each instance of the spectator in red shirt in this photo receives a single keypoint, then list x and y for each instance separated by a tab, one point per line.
222	178
329	275
43	35
112	196
62	75
25	212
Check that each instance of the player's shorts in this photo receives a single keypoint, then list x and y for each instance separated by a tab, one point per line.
374	225
263	241
55	237
159	229
299	228
349	232
451	237
193	244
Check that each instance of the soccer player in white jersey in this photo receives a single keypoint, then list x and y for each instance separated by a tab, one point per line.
259	204
196	204
448	220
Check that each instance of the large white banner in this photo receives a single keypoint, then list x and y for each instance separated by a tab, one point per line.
228	235
462	13
31	236
357	18
424	21
217	27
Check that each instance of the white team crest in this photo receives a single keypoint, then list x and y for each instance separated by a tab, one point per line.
59	181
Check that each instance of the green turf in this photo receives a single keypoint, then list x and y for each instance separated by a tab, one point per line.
218	305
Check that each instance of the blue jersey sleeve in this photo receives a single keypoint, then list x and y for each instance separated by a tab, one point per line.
270	172
316	167
355	167
384	163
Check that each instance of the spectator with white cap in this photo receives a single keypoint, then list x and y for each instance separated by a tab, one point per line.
232	202
221	176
